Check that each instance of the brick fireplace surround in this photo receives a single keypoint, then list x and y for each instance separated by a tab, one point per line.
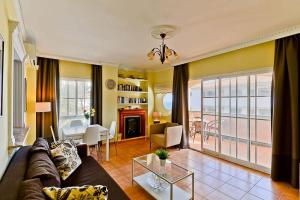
123	113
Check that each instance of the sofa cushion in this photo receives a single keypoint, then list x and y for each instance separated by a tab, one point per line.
41	166
91	173
65	158
31	189
87	192
40	144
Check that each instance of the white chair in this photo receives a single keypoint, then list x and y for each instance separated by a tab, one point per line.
76	122
92	135
112	132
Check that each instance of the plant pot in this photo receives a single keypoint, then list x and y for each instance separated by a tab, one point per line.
162	162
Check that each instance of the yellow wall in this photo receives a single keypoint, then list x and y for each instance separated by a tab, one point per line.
6	13
109	104
74	70
31	75
251	58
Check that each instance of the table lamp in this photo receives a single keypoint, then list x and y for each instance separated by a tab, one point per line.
156	117
42	107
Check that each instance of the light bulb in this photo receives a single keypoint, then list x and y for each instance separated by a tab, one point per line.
150	55
168	51
176	55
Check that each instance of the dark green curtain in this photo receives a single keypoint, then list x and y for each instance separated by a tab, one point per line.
285	121
96	100
48	91
180	113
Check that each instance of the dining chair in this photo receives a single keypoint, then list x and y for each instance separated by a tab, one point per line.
92	136
52	132
112	132
76	122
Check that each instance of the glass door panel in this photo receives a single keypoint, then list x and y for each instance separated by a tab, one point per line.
195	122
210	107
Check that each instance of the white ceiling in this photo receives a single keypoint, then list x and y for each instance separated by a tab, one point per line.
118	31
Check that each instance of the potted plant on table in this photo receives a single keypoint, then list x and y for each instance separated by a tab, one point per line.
162	155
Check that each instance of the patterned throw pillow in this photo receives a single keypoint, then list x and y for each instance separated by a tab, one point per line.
86	192
65	158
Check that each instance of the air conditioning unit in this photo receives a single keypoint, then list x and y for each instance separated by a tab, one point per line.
31	55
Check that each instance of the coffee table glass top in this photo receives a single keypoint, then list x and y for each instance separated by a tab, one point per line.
171	172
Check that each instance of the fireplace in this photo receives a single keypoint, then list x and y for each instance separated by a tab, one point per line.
132	126
132	123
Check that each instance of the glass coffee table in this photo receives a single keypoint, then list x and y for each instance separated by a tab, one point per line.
162	180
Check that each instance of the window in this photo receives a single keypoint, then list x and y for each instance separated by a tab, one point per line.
75	97
167	101
236	117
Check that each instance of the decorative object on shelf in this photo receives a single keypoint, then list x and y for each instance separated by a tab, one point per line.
127	87
164	52
88	114
156	182
121	75
42	107
128	100
110	84
162	155
156	117
131	76
1	73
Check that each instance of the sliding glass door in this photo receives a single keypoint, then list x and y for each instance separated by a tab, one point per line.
210	107
236	118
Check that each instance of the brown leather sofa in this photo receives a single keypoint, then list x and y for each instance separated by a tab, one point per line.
88	173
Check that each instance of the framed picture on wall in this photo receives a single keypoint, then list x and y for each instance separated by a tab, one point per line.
1	73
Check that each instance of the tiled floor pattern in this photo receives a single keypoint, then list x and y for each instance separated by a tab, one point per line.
215	179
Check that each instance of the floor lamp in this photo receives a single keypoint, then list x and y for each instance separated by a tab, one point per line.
42	107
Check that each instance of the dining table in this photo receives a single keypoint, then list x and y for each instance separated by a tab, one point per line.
77	132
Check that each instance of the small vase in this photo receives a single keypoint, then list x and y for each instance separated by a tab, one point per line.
162	162
87	122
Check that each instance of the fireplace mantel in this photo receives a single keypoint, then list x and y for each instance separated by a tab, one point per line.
123	113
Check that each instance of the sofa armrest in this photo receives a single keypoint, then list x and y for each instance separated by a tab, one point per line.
82	150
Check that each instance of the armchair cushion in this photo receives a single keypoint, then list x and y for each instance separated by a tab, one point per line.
157	128
159	139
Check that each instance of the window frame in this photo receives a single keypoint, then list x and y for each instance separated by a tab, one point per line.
76	98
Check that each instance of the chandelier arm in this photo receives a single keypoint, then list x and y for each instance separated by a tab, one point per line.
157	52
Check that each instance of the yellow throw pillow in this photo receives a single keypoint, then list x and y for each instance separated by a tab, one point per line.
87	192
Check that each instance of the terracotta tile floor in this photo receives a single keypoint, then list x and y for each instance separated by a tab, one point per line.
214	178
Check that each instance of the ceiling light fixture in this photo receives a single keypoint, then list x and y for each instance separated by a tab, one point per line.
164	52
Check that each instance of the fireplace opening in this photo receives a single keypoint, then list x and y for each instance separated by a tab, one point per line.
132	126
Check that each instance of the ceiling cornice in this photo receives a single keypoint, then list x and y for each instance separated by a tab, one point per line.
20	18
79	60
260	39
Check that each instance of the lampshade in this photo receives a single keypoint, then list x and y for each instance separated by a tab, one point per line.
43	107
156	115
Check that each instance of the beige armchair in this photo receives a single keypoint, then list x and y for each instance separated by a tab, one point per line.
165	134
